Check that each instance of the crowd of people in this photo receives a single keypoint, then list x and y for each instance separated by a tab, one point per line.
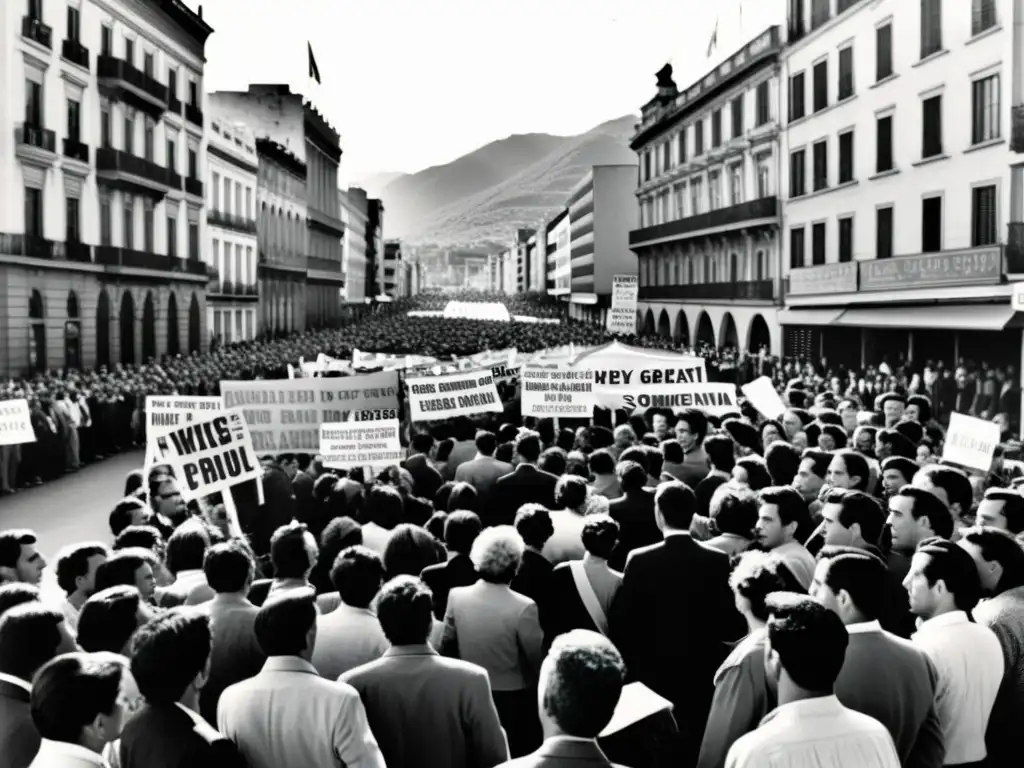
666	588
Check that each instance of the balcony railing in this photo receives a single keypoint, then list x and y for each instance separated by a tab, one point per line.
322	264
41	248
193	187
733	216
149	91
36	136
193	114
115	256
75	52
76	150
751	290
1017	128
232	288
35	30
110	160
1015	248
174	104
230	221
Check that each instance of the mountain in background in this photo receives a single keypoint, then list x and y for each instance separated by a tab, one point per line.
482	197
376	183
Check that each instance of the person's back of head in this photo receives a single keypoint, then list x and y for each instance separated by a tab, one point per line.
533	524
528	446
405	611
124	513
408	551
109	619
186	549
632	476
144	536
286	624
17	593
858	508
30	635
463	496
73	564
676	504
783	461
293	551
120	569
861	575
422	442
357	574
169	654
721	452
600	535
995	548
386	508
734	511
570	492
486	443
950	482
581	681
808	643
637	454
229	568
460	531
77	699
553	460
133	481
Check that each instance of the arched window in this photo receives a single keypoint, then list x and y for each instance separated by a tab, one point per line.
36	333
72	334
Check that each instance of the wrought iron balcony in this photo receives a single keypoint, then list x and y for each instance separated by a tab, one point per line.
133	85
34	29
193	187
735	216
75	52
40	248
1017	128
115	256
76	150
322	264
36	136
230	221
120	168
194	114
173	104
749	290
79	252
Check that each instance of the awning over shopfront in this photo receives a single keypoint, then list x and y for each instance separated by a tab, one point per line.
808	316
584	298
957	317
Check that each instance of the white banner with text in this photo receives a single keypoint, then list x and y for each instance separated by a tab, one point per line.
552	390
452	394
361	443
210	455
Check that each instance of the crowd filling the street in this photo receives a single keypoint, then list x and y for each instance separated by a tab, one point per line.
816	575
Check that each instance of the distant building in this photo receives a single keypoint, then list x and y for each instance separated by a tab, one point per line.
354	217
374	247
391	267
521	256
559	269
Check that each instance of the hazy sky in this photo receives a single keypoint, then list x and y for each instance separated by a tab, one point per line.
414	83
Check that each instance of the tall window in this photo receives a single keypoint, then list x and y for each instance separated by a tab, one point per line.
105	221
820	85
931	142
129	134
74	24
931	27
983	216
716	129
797	172
931	225
106	40
761	107
172	83
846	73
983	15
33	103
883	52
764	178
682	151
698	138
249	211
820	165
846	157
797	105
172	155
985	109
737	116
193	93
129	51
214	191
72	220
696	197
227	196
148	226
33	212
715	190
819	12
172	236
105	126
883	157
238	197
797	245
883	232
193	164
846	239
193	240
736	184
666	148
818	244
147	63
647	165
74	121
128	241
148	139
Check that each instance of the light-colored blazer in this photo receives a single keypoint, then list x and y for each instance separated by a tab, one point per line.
59	754
427	710
482	472
497	629
564	753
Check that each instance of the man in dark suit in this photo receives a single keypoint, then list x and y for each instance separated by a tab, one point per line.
675	604
526	484
580	682
460	531
634	512
483	471
169	656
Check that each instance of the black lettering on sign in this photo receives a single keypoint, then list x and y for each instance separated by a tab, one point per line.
376	415
202	437
208	470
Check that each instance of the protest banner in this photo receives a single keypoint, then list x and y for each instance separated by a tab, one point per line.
622	314
970	442
210	455
165	413
716	399
630	377
15	423
284	416
553	390
762	395
452	394
361	443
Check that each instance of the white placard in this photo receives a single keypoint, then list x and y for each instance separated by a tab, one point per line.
970	442
15	423
165	413
1017	297
452	394
361	444
762	395
211	455
552	390
622	315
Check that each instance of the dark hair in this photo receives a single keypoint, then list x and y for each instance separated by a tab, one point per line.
783	462
553	460
755	575
435	525
357	574
735	512
863	575
637	454
141	536
289	553
602	462
819	461
168	652
655	461
677	504
600	535
533	523
901	464
283	623
900	444
486	443
696	420
229	567
570	492
632	476
927	504
721	452
422	442
186	549
857	507
584	683
527	444
122	514
955	568
953	481
460	531
132	481
809	638
109	619
758	476
385	506
856	466
672	450
911	430
998	546
836	432
29	637
17	593
463	496
120	569
70	690
1013	508
11	542
405	611
789	502
74	562
408	551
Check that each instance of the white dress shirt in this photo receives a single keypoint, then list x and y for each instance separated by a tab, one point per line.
63	754
375	537
71	614
345	638
566	543
288	716
969	660
818	733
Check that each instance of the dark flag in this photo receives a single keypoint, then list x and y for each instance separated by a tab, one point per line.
314	71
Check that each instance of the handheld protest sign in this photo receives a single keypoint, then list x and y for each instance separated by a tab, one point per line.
554	391
362	442
15	423
454	394
970	442
165	413
762	395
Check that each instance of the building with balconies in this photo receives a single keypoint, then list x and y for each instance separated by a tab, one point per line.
708	240
559	270
897	180
232	194
354	217
519	255
374	247
293	123
100	226
391	265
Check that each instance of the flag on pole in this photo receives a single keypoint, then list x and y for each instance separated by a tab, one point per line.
314	71
712	43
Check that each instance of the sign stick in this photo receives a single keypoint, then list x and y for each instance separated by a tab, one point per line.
260	498
234	527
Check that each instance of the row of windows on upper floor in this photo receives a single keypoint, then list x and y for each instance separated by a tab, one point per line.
128	48
281	181
279	231
698	269
240	269
218	197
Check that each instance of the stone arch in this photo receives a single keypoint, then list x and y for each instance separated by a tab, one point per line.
173	342
758	335
127	320
103	328
649	324
664	325
195	340
682	330
705	330
148	329
727	336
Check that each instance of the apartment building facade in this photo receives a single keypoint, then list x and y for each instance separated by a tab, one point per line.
354	218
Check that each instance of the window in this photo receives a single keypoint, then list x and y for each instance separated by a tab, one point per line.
820	157
647	166
715	190
33	103
818	244
983	16
227	196
764	183
193	240
172	236
846	73
249	211
33	212
129	134
761	107
74	24
797	105
129	51
931	142
216	258
129	224
682	146
172	83
844	5
737	117
797	170
193	164
72	220
106	41
820	85
172	155
883	233
931	225
696	197
193	93
698	139
147	63
736	184
148	228
846	239
238	198
214	191
797	244
819	12
931	27
74	121
846	157
148	139
883	141
983	216
105	221
716	129
666	149
985	109
105	126
883	52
